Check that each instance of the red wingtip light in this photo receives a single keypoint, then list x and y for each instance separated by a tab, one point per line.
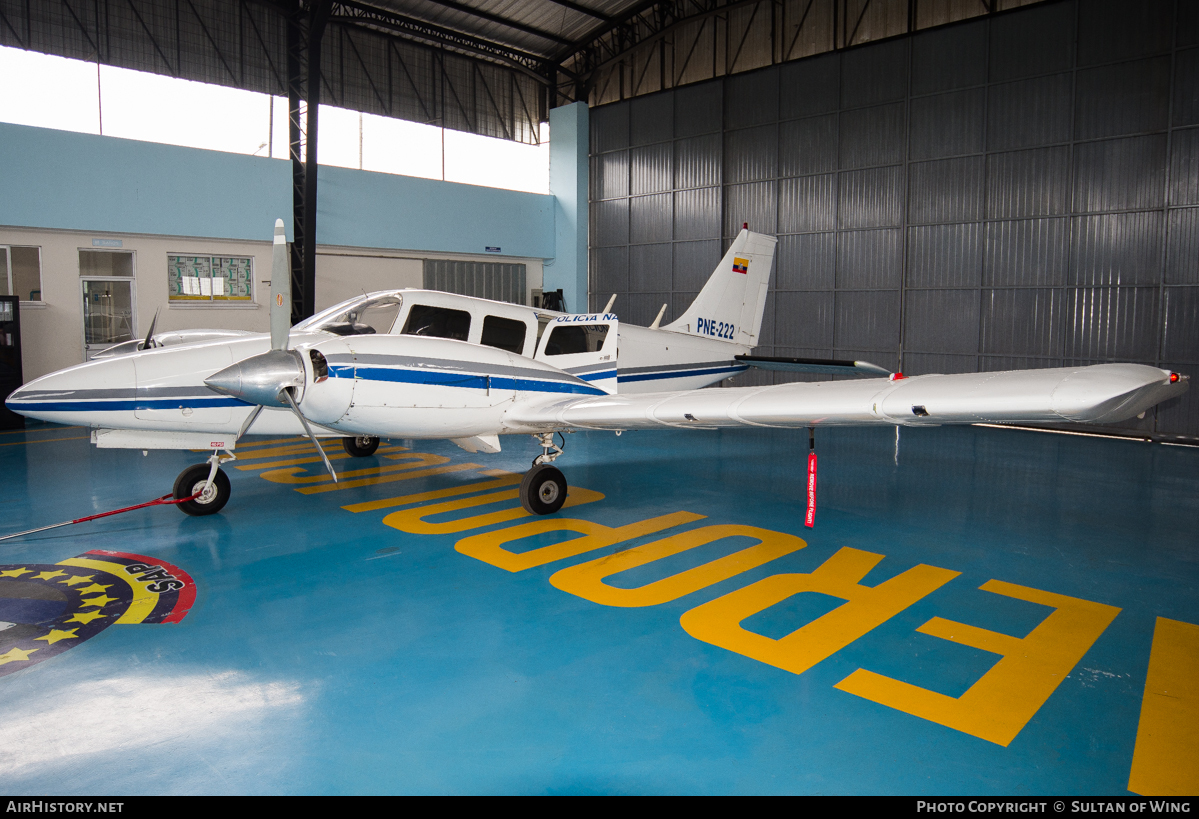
896	376
745	225
1173	378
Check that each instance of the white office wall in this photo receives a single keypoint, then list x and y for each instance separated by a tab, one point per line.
52	330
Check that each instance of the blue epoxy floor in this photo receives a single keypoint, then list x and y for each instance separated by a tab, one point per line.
329	653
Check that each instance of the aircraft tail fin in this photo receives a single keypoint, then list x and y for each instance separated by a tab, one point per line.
731	304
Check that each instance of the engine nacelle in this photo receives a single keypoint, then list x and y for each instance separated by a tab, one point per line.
329	387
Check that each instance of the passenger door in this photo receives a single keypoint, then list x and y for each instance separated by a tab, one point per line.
583	345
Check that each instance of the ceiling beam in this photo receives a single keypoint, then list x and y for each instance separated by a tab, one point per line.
349	12
503	21
599	15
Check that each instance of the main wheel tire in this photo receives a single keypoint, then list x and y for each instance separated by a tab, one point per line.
192	480
543	490
361	446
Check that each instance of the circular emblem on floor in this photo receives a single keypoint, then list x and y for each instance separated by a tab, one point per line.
46	609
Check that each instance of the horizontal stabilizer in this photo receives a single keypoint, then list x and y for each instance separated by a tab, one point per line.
828	366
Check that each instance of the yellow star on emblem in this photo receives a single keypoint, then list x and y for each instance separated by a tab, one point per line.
15	654
102	600
71	581
14	572
50	575
81	617
55	635
95	588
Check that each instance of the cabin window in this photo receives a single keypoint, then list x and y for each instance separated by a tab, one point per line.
437	322
507	334
576	338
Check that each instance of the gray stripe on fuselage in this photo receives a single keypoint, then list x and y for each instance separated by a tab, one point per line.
590	368
126	392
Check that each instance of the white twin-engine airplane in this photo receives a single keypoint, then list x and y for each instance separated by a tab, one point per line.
425	364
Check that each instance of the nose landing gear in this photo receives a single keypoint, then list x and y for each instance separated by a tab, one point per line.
543	489
207	483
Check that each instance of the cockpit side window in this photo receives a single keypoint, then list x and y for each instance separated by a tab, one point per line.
506	334
437	322
365	317
576	338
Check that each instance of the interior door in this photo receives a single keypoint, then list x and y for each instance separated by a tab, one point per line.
108	314
584	346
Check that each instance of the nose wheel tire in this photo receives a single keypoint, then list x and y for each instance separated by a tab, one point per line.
543	490
360	446
192	480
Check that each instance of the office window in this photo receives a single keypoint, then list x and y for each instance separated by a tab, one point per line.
21	272
210	278
105	263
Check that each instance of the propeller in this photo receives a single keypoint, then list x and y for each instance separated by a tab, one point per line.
280	290
150	343
275	378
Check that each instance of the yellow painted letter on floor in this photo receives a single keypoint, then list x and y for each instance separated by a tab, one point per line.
1166	759
295	474
1004	699
489	546
413	520
587	579
867	607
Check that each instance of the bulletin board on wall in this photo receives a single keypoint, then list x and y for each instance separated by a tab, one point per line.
198	278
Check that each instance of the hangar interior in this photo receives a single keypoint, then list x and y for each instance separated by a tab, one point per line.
957	186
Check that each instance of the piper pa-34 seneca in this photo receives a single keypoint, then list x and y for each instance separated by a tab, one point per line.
425	364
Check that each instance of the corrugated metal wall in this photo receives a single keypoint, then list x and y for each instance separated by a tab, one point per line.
484	280
1017	191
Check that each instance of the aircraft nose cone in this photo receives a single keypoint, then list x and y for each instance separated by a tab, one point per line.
227	380
259	379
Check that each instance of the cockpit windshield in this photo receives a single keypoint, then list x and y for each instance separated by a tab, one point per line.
363	316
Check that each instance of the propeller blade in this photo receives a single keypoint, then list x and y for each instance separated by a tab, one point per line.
250	419
286	393
280	290
149	342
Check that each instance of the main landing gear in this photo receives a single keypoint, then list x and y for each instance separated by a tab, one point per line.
543	489
207	483
360	446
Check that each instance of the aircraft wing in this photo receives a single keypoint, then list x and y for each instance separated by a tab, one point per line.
1101	393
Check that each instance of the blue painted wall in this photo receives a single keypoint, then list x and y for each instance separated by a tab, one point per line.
71	181
569	141
364	209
